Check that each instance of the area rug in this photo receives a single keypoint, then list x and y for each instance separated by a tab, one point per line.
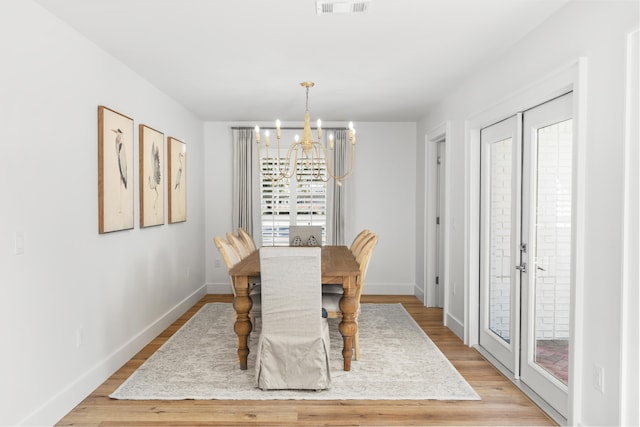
397	362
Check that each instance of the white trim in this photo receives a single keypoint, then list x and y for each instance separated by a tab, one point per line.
571	76
455	324
370	289
59	405
432	137
630	252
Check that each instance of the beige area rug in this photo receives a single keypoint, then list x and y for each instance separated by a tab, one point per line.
397	362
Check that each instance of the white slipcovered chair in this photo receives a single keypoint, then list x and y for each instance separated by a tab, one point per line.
293	348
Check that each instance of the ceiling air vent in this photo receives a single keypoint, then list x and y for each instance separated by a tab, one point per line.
332	7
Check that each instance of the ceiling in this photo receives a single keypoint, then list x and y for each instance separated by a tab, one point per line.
243	60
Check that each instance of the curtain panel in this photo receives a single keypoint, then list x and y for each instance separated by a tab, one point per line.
246	182
337	194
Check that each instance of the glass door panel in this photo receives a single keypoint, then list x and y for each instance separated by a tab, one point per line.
552	234
547	231
500	196
499	234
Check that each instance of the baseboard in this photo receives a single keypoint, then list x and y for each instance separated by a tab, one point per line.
388	289
419	293
370	289
456	326
63	402
219	288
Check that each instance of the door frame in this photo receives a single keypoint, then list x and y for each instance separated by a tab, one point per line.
434	136
571	77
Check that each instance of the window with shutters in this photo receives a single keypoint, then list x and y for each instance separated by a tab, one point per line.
299	200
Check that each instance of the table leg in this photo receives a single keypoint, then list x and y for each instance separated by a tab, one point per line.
348	325
242	304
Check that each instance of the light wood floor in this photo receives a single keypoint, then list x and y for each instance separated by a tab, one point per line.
502	403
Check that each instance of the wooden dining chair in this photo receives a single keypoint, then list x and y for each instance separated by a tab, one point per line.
230	258
356	245
247	239
293	347
331	301
238	244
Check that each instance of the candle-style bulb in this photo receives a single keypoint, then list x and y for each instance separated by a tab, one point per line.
278	129
257	130
296	138
330	141
266	138
319	126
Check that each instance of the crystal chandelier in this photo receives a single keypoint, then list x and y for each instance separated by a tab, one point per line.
306	155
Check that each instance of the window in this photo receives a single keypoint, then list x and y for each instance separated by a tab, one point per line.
299	200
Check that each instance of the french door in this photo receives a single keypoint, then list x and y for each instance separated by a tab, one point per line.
526	246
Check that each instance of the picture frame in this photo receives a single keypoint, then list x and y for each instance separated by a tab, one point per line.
115	171
151	179
177	180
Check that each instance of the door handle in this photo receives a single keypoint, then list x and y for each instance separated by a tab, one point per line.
522	267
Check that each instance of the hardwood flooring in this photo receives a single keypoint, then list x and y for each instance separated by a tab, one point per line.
502	403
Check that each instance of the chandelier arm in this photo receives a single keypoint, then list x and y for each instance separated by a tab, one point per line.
331	160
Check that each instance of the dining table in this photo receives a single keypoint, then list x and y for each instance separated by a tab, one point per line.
338	265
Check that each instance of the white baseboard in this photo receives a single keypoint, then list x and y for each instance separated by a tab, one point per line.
370	289
456	326
419	293
63	402
219	288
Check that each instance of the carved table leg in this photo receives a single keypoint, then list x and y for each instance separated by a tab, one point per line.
348	325
242	304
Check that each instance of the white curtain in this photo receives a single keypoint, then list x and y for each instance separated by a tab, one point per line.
246	181
337	194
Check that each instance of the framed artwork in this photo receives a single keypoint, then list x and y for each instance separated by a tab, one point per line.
151	176
115	172
177	161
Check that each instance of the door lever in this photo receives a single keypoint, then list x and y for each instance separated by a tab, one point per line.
522	267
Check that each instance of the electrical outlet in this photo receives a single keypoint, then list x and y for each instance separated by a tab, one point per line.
598	378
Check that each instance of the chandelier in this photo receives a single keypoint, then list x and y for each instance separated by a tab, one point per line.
307	156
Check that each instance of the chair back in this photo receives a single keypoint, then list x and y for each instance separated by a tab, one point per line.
363	261
291	280
358	241
248	240
238	244
229	255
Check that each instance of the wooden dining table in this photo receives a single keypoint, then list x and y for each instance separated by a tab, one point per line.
338	265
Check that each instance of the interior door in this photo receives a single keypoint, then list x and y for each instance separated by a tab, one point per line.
547	233
499	240
440	190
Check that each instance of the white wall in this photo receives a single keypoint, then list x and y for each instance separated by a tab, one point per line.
117	291
384	162
598	31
